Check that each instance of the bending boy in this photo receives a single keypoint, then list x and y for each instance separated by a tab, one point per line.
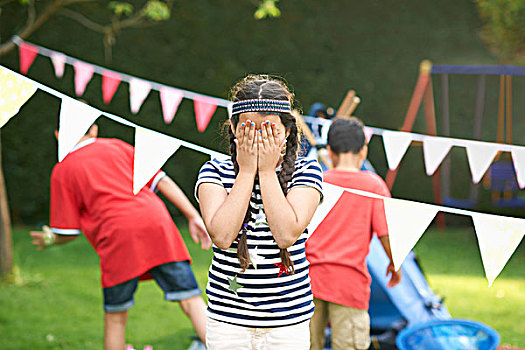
134	236
337	250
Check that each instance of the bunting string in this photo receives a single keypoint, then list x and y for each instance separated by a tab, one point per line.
191	95
480	153
111	116
498	236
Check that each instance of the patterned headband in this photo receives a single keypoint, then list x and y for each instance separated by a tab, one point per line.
262	105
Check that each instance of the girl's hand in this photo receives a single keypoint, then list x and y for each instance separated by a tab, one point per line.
246	147
270	144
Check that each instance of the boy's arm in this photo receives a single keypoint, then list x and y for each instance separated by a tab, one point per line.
174	194
396	275
46	238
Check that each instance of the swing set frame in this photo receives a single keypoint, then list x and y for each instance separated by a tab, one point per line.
423	93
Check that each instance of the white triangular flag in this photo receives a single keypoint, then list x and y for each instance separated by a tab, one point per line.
59	61
407	221
138	91
152	150
396	144
434	151
218	156
480	155
75	120
498	237
230	110
331	194
518	157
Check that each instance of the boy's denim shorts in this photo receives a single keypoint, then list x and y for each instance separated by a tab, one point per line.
175	278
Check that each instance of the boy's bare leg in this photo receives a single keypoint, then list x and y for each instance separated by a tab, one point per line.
115	330
196	311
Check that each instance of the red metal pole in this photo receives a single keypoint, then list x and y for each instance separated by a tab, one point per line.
421	86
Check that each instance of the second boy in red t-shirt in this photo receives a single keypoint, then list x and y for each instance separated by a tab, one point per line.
338	248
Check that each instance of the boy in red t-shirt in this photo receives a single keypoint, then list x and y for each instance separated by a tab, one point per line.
133	235
338	248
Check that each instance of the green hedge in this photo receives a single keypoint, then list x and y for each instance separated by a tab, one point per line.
322	48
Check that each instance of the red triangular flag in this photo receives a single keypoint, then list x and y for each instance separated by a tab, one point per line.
110	83
204	109
27	53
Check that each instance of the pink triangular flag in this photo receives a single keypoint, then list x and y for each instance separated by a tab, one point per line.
170	99
368	134
518	157
27	53
110	83
435	150
59	62
138	91
83	74
204	109
480	155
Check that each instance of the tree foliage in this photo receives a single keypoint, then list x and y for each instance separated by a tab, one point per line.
267	8
122	15
504	28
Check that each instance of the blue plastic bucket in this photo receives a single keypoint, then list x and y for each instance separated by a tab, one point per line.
448	335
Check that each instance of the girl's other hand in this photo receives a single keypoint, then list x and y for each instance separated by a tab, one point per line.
246	147
270	144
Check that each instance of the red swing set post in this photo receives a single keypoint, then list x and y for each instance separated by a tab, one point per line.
423	93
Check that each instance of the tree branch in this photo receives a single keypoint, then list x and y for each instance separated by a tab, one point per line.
31	13
86	22
30	27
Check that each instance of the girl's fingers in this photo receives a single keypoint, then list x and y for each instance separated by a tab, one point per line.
251	135
241	132
260	140
283	142
264	134
275	133
268	130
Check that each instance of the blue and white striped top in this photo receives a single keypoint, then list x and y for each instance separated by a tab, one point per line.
265	295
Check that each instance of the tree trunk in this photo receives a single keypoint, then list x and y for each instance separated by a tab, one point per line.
6	253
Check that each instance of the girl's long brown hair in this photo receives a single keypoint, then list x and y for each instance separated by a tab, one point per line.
257	87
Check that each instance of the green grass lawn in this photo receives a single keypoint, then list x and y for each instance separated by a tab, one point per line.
452	264
55	301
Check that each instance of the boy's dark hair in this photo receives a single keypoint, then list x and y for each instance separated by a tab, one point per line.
346	135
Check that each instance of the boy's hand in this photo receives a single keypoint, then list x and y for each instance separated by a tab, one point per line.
246	147
198	232
39	237
270	145
395	277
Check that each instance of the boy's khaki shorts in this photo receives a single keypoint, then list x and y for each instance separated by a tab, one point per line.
350	326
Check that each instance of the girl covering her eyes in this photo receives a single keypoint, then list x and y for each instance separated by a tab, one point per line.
256	207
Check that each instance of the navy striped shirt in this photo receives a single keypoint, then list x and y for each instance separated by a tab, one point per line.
265	295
